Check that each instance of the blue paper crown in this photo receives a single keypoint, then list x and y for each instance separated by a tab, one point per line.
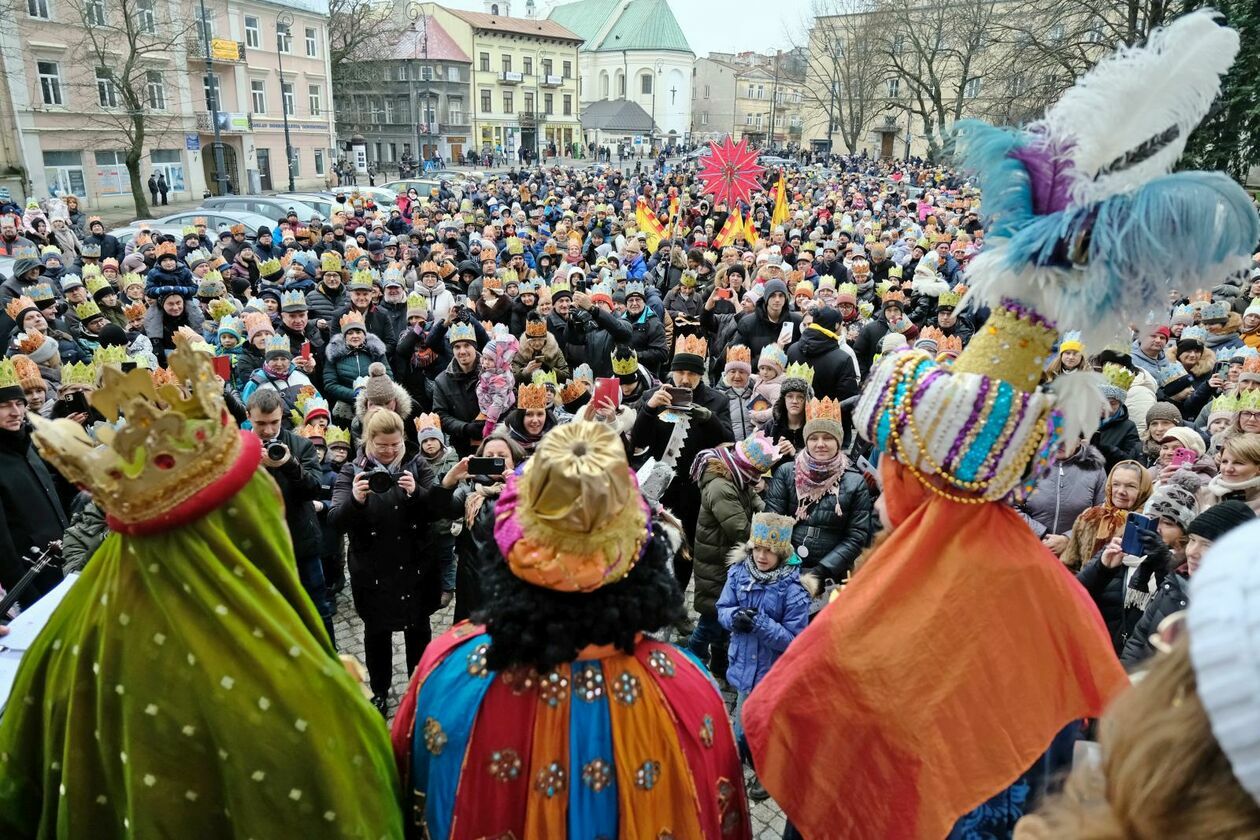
461	332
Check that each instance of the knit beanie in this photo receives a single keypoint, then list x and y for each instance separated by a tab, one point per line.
1223	620
1113	392
1184	435
828	319
891	342
380	388
112	336
1173	501
1163	411
1220	519
772	286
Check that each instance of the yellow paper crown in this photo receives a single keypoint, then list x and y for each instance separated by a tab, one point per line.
167	450
1118	375
132	279
417	304
531	397
330	261
799	370
110	357
270	267
89	270
96	282
352	319
78	374
87	311
545	377
692	344
515	245
624	361
952	298
9	374
335	435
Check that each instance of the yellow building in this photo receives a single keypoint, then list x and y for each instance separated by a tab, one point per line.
524	79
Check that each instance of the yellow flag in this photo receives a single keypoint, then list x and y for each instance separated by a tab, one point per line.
780	216
750	231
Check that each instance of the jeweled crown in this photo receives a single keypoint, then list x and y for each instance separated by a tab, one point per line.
1013	346
172	443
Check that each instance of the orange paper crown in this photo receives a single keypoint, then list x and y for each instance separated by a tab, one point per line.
166	249
692	344
352	319
19	305
823	409
531	397
30	342
894	296
134	311
739	353
536	328
428	421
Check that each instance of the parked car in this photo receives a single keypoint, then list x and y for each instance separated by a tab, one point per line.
378	194
272	207
217	219
124	235
421	185
322	202
6	267
774	160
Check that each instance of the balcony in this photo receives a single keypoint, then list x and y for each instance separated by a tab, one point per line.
229	122
510	77
221	51
551	81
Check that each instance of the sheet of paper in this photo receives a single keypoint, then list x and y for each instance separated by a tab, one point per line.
24	628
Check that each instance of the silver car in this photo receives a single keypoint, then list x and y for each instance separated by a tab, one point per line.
272	207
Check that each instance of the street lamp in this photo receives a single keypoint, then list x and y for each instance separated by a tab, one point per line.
284	25
416	12
220	177
652	131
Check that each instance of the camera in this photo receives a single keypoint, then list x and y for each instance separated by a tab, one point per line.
275	450
381	480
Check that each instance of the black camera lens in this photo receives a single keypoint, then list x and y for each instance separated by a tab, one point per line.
276	450
380	481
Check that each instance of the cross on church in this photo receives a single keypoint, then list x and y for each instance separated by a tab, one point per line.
672	92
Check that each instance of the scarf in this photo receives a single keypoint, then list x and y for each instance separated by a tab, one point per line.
1222	489
824	331
767	577
475	499
742	472
815	479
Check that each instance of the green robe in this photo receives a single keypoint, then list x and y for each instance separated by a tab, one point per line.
185	687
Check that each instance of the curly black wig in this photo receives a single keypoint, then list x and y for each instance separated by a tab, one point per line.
532	626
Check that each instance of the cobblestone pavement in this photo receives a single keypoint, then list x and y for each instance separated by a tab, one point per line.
767	819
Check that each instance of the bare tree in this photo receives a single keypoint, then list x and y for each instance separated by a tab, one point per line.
355	27
938	51
122	48
844	69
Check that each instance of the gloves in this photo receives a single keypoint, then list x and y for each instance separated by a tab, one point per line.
700	414
743	620
1159	559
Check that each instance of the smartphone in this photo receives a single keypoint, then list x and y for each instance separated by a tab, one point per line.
76	402
724	294
607	388
786	331
1222	367
306	350
478	465
680	397
1134	525
1183	457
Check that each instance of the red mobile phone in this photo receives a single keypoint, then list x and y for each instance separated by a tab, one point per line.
724	294
306	350
223	367
607	388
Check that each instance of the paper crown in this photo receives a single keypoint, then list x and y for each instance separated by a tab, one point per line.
1117	375
116	356
219	308
545	377
9	377
560	287
19	305
860	267
30	343
636	288
1183	314
461	332
847	293
584	373
232	325
827	283
361	281
804	288
535	326
28	373
352	321
1214	311
271	267
336	436
330	261
688	278
531	396
393	276
131	279
292	301
41	292
78	374
492	282
417	304
188	230
90	270
773	531
758	450
574	519
277	345
573	390
515	245
801	371
772	354
952	298
87	310
168	448
691	345
313	433
165	249
739	355
822	409
428	421
197	255
1194	333
894	296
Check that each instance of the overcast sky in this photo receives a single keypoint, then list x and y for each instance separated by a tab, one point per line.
724	26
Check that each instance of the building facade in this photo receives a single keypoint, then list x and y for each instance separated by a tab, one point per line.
748	95
523	79
414	99
635	50
69	123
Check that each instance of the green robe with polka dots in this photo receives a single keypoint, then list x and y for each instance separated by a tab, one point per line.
185	687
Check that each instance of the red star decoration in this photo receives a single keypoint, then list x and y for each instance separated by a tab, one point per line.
730	171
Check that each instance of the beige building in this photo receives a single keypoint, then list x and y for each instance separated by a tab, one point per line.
747	95
69	124
524	81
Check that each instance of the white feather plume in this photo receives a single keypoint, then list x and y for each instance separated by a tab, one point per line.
1134	96
1079	396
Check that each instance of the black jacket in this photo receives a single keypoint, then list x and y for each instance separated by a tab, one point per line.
591	336
1117	439
455	402
1107	587
652	433
1173	595
299	481
31	514
825	539
647	338
835	374
755	329
324	303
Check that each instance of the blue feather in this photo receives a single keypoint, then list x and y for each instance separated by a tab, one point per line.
1007	191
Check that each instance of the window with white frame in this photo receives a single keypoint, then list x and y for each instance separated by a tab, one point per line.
286	94
972	89
452	73
284	39
894	88
106	92
312	41
111	172
704	118
645	83
253	35
205	25
170	162
49	82
37	8
94	12
156	90
319	161
258	95
314	98
146	17
210	86
455	110
64	173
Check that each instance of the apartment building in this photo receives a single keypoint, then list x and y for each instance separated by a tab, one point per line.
747	95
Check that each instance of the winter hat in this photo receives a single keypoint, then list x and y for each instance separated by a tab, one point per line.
256	323
1173	501
1223	620
1163	411
773	355
689	354
230	325
112	336
828	319
892	342
379	389
1253	308
1184	435
772	286
1220	519
824	416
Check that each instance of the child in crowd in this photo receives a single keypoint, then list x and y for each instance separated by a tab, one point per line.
441	458
766	383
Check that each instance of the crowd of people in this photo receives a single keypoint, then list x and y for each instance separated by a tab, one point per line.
401	363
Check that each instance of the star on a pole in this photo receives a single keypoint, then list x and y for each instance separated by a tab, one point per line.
730	171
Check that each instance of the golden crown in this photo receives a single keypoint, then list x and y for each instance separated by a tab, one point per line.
131	279
417	304
739	353
311	433
1014	346
97	282
110	356
173	442
493	282
1118	375
823	409
799	370
270	267
335	434
220	308
952	298
87	311
624	361
330	261
692	344
428	421
545	377
89	270
361	279
429	267
165	249
531	397
18	305
28	372
536	328
9	374
573	389
894	296
78	375
352	319
515	245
